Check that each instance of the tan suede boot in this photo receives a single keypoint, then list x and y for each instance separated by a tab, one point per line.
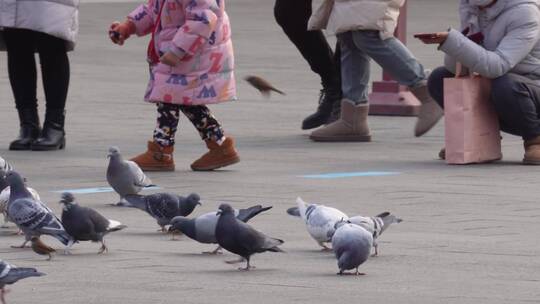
218	156
156	158
429	113
351	126
532	151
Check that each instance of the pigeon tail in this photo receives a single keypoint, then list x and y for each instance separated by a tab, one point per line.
136	201
294	211
63	237
301	208
115	226
272	244
246	214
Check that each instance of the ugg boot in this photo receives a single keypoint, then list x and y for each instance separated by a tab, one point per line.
52	135
218	156
29	129
156	158
429	113
351	126
532	151
330	95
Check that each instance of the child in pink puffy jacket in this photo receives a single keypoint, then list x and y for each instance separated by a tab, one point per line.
191	65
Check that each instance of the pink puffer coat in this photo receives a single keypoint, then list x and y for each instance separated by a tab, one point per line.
199	29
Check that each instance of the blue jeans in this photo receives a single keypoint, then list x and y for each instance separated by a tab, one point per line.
358	47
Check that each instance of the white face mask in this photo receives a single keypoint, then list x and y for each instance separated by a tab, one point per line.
480	2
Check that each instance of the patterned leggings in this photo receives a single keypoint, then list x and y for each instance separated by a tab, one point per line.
200	116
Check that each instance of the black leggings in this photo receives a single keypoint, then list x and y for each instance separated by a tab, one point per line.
200	116
21	45
293	16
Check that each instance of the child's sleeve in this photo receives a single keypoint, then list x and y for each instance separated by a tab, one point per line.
143	18
201	21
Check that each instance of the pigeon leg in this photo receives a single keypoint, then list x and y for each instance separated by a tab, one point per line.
103	248
50	256
216	251
358	273
248	267
240	260
2	292
23	245
68	247
376	247
324	247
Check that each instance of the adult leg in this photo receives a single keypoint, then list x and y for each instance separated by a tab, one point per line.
293	16
355	70
55	73
23	77
221	151
396	59
436	84
159	153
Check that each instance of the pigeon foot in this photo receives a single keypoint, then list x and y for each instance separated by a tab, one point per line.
235	261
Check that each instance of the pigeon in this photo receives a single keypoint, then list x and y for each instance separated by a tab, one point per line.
125	176
30	215
262	85
86	224
240	238
41	248
352	245
203	228
376	225
5	167
320	220
10	274
164	206
4	198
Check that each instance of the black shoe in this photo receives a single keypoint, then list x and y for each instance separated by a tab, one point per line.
52	136
329	96
29	130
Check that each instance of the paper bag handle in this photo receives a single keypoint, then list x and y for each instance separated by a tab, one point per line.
459	69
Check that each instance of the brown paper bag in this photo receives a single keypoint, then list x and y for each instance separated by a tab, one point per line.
471	125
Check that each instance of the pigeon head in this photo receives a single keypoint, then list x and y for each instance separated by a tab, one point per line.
189	203
15	180
67	199
113	152
225	209
177	224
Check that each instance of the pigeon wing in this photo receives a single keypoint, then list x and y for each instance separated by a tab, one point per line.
139	178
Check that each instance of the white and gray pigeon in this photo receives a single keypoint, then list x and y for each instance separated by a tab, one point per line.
203	228
125	176
240	238
164	206
352	245
86	224
30	215
10	274
320	220
376	225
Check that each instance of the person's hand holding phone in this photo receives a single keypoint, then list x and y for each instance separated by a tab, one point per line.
432	38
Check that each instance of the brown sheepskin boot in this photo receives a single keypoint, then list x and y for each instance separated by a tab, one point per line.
218	156
532	151
156	158
351	126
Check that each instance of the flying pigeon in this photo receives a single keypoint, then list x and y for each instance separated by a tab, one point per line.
164	206
10	274
203	228
125	176
352	245
41	248
320	220
86	224
262	85
30	215
240	238
376	225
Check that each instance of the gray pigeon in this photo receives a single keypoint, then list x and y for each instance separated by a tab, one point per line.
376	225
125	176
352	245
86	224
320	220
240	238
10	274
30	215
164	206
203	228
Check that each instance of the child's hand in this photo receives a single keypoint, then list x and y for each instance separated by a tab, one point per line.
119	32
170	59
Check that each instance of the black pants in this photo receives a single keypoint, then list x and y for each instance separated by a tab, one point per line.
293	16
200	116
516	100
21	45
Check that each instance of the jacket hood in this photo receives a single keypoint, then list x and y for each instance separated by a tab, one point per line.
504	5
469	13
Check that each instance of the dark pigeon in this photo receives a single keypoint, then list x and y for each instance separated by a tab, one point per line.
164	206
86	224
352	245
240	238
30	215
203	228
10	274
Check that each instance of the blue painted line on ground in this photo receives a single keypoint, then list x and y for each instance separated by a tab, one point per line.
350	174
95	190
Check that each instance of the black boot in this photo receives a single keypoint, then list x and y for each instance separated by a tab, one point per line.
52	136
330	95
29	131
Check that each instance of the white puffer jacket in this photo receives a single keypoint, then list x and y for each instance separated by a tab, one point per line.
59	18
341	16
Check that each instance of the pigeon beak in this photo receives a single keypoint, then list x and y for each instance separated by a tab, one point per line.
218	213
199	203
